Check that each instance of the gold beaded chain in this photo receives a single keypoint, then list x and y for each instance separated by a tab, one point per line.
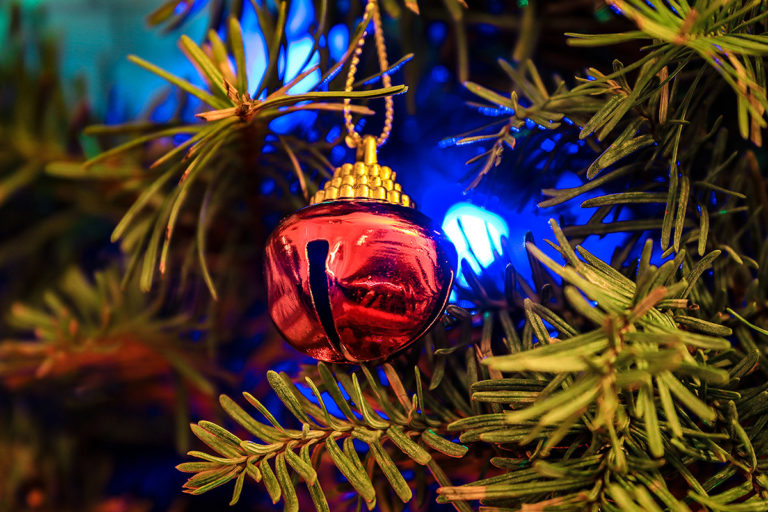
366	179
353	138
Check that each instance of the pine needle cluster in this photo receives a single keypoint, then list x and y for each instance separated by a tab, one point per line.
634	384
631	386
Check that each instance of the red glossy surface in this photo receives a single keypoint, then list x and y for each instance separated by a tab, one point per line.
381	281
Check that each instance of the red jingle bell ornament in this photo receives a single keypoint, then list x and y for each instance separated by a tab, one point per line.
359	274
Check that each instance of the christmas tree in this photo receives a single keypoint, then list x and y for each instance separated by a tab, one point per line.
598	167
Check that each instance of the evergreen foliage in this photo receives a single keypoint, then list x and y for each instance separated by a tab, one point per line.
634	384
607	417
405	425
237	116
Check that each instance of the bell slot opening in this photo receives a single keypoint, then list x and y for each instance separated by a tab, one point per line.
317	254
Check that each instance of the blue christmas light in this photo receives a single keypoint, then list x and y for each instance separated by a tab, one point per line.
300	16
255	67
437	31
299	54
338	41
440	74
475	232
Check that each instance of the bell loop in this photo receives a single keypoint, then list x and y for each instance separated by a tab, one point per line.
369	150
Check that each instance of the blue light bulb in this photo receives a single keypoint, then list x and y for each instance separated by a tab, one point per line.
475	232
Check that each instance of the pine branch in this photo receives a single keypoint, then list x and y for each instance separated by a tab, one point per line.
602	409
272	457
82	326
721	35
607	411
649	127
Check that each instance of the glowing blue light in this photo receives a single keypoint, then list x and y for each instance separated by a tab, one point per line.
298	54
487	28
383	376
547	145
437	31
256	64
338	41
441	75
334	132
267	186
165	109
342	6
330	404
300	15
475	233
337	153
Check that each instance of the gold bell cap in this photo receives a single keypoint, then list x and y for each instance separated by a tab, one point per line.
361	180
